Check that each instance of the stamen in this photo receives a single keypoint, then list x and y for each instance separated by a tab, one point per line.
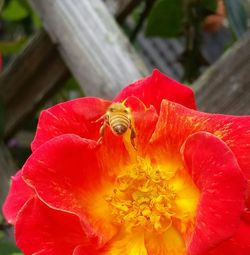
143	198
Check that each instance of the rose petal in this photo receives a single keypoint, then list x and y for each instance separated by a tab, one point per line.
176	123
156	87
246	216
19	194
217	174
67	175
85	250
73	117
44	231
239	244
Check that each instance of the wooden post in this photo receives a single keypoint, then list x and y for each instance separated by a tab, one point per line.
33	76
7	168
122	8
225	86
117	7
91	44
37	72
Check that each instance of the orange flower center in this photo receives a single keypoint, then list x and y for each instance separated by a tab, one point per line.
147	196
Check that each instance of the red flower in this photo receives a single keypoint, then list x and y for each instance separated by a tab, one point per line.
182	189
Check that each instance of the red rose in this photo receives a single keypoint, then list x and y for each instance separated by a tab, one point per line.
181	189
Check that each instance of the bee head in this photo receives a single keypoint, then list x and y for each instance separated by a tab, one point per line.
118	107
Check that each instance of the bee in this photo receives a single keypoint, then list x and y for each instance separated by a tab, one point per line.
118	118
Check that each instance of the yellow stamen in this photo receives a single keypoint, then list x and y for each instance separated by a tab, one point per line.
144	197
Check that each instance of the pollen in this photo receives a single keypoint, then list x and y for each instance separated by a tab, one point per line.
144	197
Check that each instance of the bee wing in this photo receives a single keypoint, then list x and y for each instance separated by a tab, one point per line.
140	113
146	116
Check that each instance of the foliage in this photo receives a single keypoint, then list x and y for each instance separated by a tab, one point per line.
12	47
6	248
168	18
188	19
18	22
15	11
165	19
182	18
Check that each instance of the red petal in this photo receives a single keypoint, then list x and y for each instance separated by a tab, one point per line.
66	174
19	194
85	250
246	216
144	121
156	87
176	123
44	231
217	174
73	117
239	244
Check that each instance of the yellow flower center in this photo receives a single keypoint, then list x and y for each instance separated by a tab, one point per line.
146	196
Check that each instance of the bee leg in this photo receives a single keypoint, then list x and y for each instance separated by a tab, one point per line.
99	119
102	129
132	137
99	141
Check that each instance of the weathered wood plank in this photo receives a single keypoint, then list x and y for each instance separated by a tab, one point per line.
36	73
91	44
122	8
116	7
225	86
7	168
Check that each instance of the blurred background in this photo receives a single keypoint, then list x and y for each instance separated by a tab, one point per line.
52	51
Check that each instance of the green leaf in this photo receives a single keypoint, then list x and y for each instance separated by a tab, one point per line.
1	235
25	5
7	248
12	47
210	5
71	84
36	20
165	19
237	16
1	5
15	11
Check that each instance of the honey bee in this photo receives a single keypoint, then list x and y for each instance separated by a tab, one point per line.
118	118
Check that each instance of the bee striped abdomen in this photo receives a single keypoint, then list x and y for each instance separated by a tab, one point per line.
119	118
119	123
